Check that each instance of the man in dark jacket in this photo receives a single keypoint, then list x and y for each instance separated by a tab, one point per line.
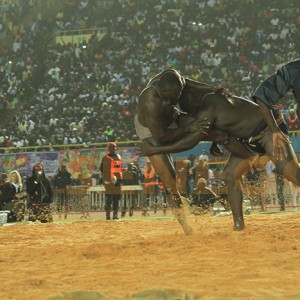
267	95
40	195
61	180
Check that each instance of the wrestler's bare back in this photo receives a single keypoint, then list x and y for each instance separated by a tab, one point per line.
236	116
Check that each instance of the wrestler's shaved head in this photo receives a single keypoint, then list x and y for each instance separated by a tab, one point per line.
170	78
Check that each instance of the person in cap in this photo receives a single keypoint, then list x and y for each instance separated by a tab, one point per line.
111	169
40	195
62	179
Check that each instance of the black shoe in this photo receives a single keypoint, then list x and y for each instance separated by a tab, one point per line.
115	218
108	218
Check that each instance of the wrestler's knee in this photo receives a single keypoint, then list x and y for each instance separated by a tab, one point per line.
290	170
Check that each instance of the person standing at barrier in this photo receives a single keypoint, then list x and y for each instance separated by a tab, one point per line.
150	188
111	168
280	190
40	195
61	180
131	176
13	197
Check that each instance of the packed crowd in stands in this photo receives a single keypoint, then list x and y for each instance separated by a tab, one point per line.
55	94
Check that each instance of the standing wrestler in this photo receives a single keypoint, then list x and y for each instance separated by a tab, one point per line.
287	78
40	195
155	123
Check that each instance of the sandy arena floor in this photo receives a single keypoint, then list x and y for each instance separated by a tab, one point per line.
121	259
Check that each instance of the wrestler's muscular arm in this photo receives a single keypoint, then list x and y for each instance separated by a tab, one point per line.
204	89
157	117
187	141
191	140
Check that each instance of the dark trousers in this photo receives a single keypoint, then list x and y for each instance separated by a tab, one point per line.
112	200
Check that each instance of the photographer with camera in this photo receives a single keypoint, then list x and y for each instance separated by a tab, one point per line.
40	195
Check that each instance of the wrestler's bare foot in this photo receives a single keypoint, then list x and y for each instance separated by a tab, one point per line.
188	230
239	226
180	216
178	204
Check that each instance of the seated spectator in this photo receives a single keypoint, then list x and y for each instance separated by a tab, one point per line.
203	198
13	197
40	195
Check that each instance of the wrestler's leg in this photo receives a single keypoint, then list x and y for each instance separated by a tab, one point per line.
162	163
288	167
234	170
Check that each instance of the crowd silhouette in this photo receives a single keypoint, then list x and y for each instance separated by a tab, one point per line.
54	93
